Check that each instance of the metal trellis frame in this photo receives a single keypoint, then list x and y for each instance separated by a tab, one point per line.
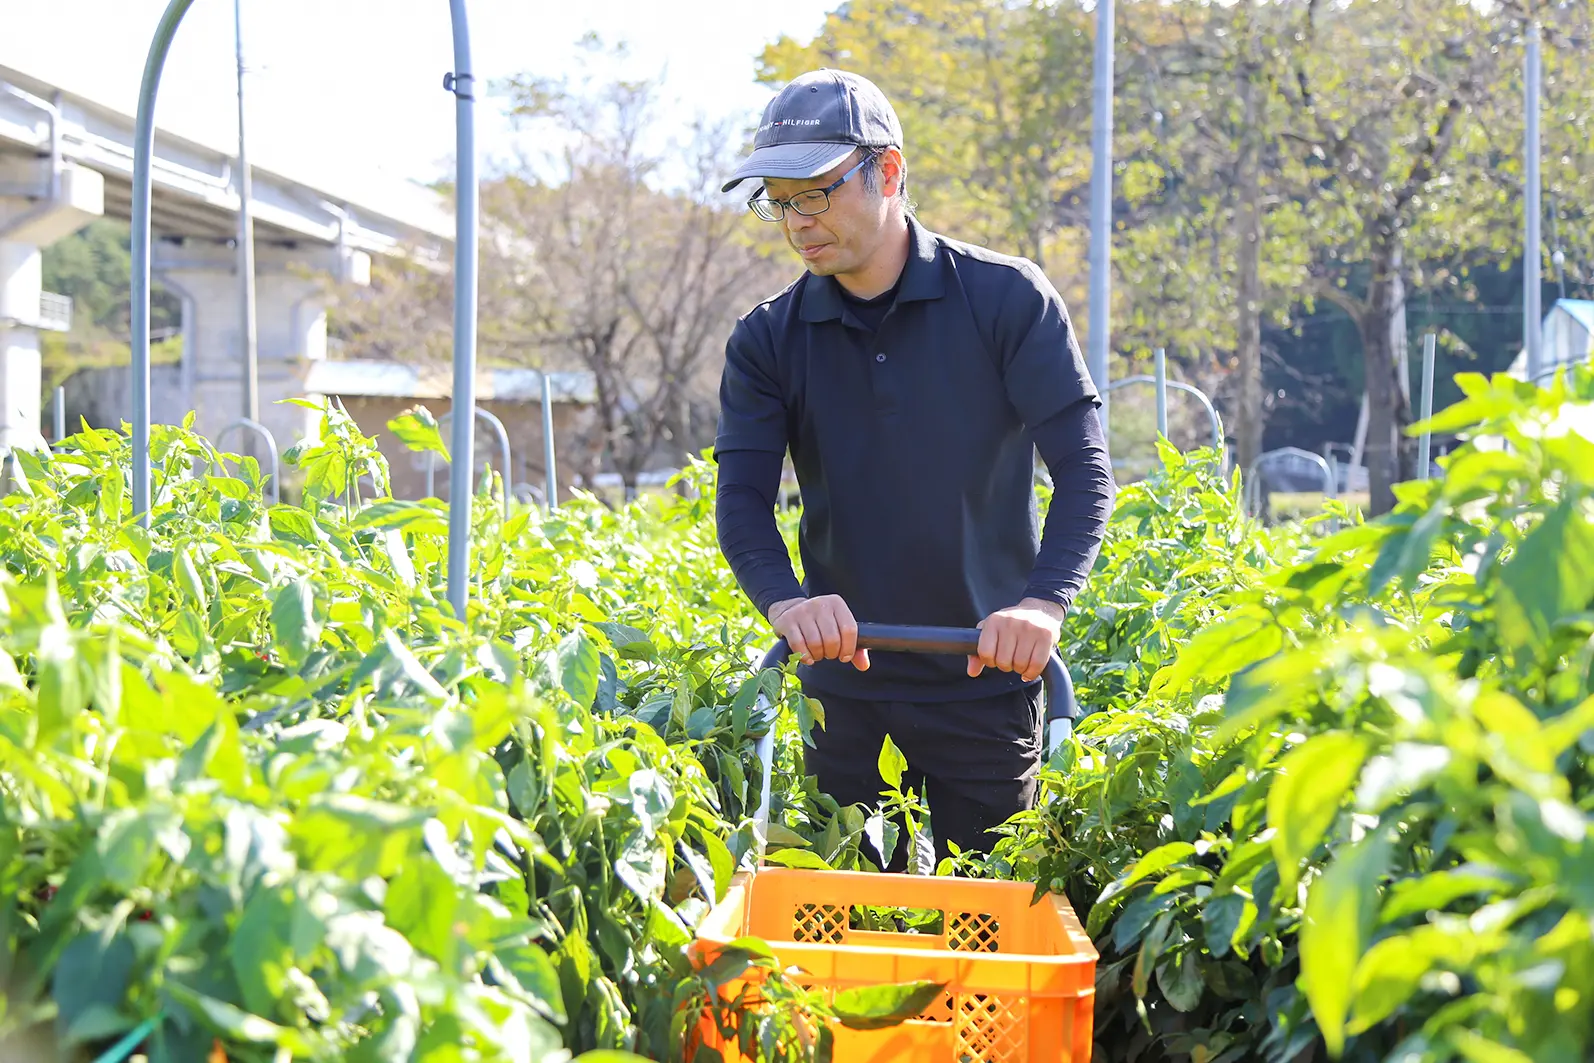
271	449
1162	403
1425	441
1252	491
551	491
1551	370
503	448
461	83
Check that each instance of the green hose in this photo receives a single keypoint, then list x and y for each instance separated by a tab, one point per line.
124	1048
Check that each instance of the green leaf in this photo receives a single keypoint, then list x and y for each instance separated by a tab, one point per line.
877	1007
1250	635
326	473
1416	547
802	858
629	642
130	840
410	666
1566	730
1340	908
293	619
233	1022
1550	575
724	865
418	518
418	430
1159	859
882	832
1437	891
640	866
1181	982
188	578
784	836
1392	970
1221	917
61	693
260	954
92	973
293	524
892	764
609	1055
1479	1049
1306	795
535	973
423	903
579	668
1135	918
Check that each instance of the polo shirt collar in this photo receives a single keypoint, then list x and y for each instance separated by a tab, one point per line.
921	279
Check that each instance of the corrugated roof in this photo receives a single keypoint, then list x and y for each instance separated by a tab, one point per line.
369	378
1581	309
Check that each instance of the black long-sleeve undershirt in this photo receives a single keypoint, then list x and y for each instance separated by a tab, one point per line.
1070	443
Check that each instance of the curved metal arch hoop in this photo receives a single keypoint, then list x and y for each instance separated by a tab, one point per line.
459	81
271	448
503	449
1179	385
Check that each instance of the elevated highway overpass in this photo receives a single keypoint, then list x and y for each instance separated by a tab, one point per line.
65	160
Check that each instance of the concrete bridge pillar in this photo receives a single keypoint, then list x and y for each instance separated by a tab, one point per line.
290	328
39	207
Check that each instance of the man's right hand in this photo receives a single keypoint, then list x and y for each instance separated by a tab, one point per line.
819	629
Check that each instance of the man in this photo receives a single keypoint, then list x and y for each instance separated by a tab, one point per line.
912	377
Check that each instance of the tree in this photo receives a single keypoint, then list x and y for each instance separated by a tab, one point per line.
607	267
1211	245
1381	103
992	97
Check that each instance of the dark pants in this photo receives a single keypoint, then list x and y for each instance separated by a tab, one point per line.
973	762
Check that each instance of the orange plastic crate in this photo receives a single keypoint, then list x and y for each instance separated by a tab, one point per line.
1020	977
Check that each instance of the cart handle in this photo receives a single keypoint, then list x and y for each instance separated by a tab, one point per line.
908	638
1061	707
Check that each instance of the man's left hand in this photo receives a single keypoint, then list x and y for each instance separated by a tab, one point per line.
1019	638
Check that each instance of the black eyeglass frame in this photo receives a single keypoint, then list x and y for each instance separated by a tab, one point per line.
780	207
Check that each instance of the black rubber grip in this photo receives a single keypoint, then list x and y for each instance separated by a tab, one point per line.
909	638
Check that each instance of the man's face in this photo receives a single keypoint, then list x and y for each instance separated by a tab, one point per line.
842	238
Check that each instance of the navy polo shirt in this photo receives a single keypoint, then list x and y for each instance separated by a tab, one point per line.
911	444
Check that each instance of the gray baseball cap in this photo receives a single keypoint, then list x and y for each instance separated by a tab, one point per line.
815	122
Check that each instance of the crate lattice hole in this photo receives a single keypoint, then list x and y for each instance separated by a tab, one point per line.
819	923
973	932
990	1029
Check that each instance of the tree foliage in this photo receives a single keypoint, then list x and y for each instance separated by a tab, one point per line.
1362	150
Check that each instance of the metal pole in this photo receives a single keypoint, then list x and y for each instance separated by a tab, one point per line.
246	242
1162	393
552	487
1425	443
462	84
1531	312
1101	206
60	413
143	152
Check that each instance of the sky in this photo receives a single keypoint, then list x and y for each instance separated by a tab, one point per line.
347	95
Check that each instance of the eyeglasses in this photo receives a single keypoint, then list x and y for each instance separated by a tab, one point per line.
814	201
